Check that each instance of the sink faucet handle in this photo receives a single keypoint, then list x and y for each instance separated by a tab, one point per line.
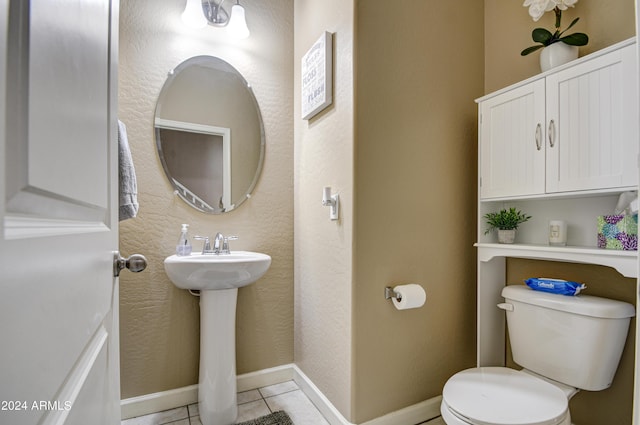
225	244
206	246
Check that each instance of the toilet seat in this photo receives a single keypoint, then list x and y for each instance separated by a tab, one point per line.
503	396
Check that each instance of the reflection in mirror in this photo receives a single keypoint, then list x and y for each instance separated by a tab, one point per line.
209	134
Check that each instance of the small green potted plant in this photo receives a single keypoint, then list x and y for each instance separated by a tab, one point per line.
506	222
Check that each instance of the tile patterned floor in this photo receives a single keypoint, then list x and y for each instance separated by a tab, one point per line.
252	404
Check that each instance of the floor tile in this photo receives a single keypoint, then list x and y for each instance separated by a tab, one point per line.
276	389
298	407
247	396
252	404
160	418
252	410
193	410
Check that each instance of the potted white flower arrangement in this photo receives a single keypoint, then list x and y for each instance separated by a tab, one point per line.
558	47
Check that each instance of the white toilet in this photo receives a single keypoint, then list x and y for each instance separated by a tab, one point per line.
564	344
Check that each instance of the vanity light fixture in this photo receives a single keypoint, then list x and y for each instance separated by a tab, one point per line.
193	16
199	13
237	22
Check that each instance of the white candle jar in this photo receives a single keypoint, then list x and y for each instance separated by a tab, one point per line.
557	233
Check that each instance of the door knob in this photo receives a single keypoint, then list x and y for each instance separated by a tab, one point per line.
135	263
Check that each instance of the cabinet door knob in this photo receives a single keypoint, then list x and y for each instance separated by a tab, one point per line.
552	133
539	136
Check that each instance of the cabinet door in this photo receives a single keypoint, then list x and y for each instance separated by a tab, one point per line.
512	134
592	124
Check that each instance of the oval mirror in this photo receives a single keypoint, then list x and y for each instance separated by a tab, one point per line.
209	134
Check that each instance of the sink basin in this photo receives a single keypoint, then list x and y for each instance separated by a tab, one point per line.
210	271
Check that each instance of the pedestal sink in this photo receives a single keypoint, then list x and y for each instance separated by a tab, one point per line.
218	277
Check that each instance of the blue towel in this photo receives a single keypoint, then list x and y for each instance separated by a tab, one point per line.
126	177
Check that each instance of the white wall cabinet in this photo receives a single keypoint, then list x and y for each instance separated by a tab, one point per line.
512	156
560	145
592	123
574	129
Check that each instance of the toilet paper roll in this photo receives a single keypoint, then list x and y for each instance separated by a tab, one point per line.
413	296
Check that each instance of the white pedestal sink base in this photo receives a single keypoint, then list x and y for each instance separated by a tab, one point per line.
218	278
217	388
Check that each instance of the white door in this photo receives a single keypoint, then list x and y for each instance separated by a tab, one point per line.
512	142
592	122
59	359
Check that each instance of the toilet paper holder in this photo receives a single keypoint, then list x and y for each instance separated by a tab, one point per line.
390	293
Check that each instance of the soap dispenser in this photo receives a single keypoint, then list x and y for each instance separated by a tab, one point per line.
184	246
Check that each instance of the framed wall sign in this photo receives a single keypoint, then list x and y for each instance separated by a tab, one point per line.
317	81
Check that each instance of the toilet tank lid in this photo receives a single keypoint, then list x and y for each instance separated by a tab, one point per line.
585	305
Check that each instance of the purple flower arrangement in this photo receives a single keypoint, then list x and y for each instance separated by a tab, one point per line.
618	232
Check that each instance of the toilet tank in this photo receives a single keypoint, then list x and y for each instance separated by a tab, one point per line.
576	340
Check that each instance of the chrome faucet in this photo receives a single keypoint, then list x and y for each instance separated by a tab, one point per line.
220	244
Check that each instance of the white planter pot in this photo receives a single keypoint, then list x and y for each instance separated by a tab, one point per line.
506	236
557	54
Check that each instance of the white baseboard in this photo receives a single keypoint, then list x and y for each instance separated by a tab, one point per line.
156	402
264	377
322	403
410	415
165	400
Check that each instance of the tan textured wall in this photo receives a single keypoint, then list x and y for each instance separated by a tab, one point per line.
508	29
415	128
323	248
614	405
415	197
160	323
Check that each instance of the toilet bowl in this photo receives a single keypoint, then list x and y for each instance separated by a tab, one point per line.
503	396
563	344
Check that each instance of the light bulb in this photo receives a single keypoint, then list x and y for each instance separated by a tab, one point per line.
237	26
193	15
